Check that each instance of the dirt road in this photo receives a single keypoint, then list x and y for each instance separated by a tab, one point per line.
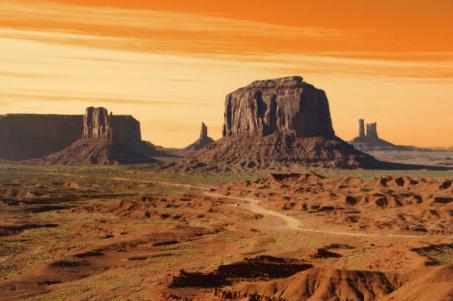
290	222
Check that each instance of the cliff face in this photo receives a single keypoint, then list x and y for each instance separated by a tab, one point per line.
97	123
29	136
284	105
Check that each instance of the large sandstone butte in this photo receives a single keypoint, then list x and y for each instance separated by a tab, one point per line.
278	122
283	105
106	139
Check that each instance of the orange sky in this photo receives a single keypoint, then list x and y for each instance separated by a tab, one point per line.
171	62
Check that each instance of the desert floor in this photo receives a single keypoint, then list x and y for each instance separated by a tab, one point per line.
140	233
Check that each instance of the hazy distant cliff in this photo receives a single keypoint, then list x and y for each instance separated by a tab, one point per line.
28	136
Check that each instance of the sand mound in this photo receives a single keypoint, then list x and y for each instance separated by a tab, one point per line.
96	151
316	284
278	150
177	207
432	284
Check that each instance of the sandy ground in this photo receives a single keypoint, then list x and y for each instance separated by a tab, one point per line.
136	235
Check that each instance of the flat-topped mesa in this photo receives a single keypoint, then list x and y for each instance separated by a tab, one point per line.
99	124
283	105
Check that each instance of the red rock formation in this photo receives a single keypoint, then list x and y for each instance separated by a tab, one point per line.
200	143
361	128
106	140
97	123
371	130
282	105
278	122
32	136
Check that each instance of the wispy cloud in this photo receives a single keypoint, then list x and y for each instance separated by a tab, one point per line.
118	19
162	31
87	100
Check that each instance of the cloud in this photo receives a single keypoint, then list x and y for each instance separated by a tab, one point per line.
6	97
117	19
158	31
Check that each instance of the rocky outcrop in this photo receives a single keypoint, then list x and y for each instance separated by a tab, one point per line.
361	128
97	123
30	136
106	139
201	142
284	105
278	122
371	130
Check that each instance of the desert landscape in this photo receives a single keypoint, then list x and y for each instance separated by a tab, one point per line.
134	233
199	150
278	209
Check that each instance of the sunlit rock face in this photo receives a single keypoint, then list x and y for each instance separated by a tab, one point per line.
99	123
285	105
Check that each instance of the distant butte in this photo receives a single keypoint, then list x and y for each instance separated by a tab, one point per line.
201	142
106	140
368	140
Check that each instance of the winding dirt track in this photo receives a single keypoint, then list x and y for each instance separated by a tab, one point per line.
290	222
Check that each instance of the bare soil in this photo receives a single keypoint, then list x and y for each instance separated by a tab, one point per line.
133	233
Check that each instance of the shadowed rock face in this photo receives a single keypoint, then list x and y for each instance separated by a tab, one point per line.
30	136
284	105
